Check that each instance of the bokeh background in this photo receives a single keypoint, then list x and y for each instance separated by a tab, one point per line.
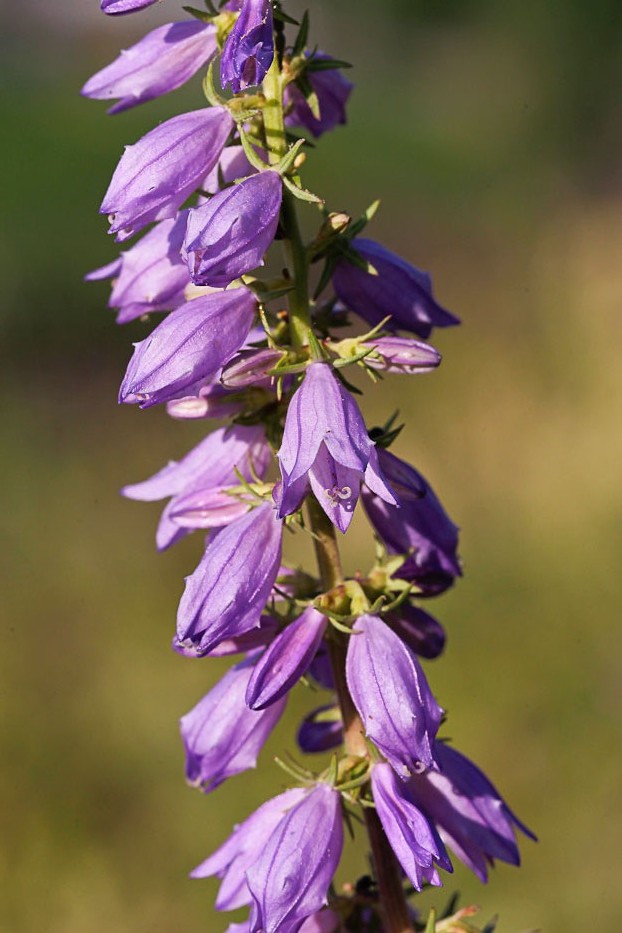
492	133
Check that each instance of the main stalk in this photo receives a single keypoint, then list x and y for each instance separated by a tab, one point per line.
393	903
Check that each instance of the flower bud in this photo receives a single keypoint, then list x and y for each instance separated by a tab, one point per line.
156	175
418	630
189	346
229	234
250	367
162	61
397	290
227	593
392	696
400	355
286	660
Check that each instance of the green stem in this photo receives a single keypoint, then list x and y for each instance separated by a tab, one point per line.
394	908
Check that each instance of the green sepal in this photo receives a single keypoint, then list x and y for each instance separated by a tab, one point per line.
303	35
209	88
306	89
286	163
352	256
251	154
364	219
430	926
326	64
284	18
345	361
203	15
327	273
301	193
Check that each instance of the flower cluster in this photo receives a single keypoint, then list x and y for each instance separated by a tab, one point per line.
216	187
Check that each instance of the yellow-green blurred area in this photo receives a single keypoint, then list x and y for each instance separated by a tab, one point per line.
492	133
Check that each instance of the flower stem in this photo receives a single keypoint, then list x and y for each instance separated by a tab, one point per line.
394	908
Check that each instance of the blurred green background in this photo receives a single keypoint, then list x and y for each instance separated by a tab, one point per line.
492	133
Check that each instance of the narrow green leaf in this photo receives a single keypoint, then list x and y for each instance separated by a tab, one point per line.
301	193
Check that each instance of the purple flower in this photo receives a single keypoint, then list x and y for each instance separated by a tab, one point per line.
150	276
290	879
249	49
414	840
326	445
210	401
286	660
209	467
420	525
156	175
229	234
401	355
165	59
472	817
234	857
250	367
332	90
249	641
189	346
226	594
419	630
392	696
321	730
399	290
115	7
221	735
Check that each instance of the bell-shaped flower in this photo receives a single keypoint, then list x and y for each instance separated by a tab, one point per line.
156	175
233	858
209	468
326	446
221	735
162	61
230	234
400	355
116	7
151	276
396	290
227	592
249	49
472	817
412	837
332	90
286	660
392	696
321	730
190	345
419	630
290	879
250	367
419	527
211	400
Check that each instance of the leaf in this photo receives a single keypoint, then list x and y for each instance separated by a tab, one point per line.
303	35
326	64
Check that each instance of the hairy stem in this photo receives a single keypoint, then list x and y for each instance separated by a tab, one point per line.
388	874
